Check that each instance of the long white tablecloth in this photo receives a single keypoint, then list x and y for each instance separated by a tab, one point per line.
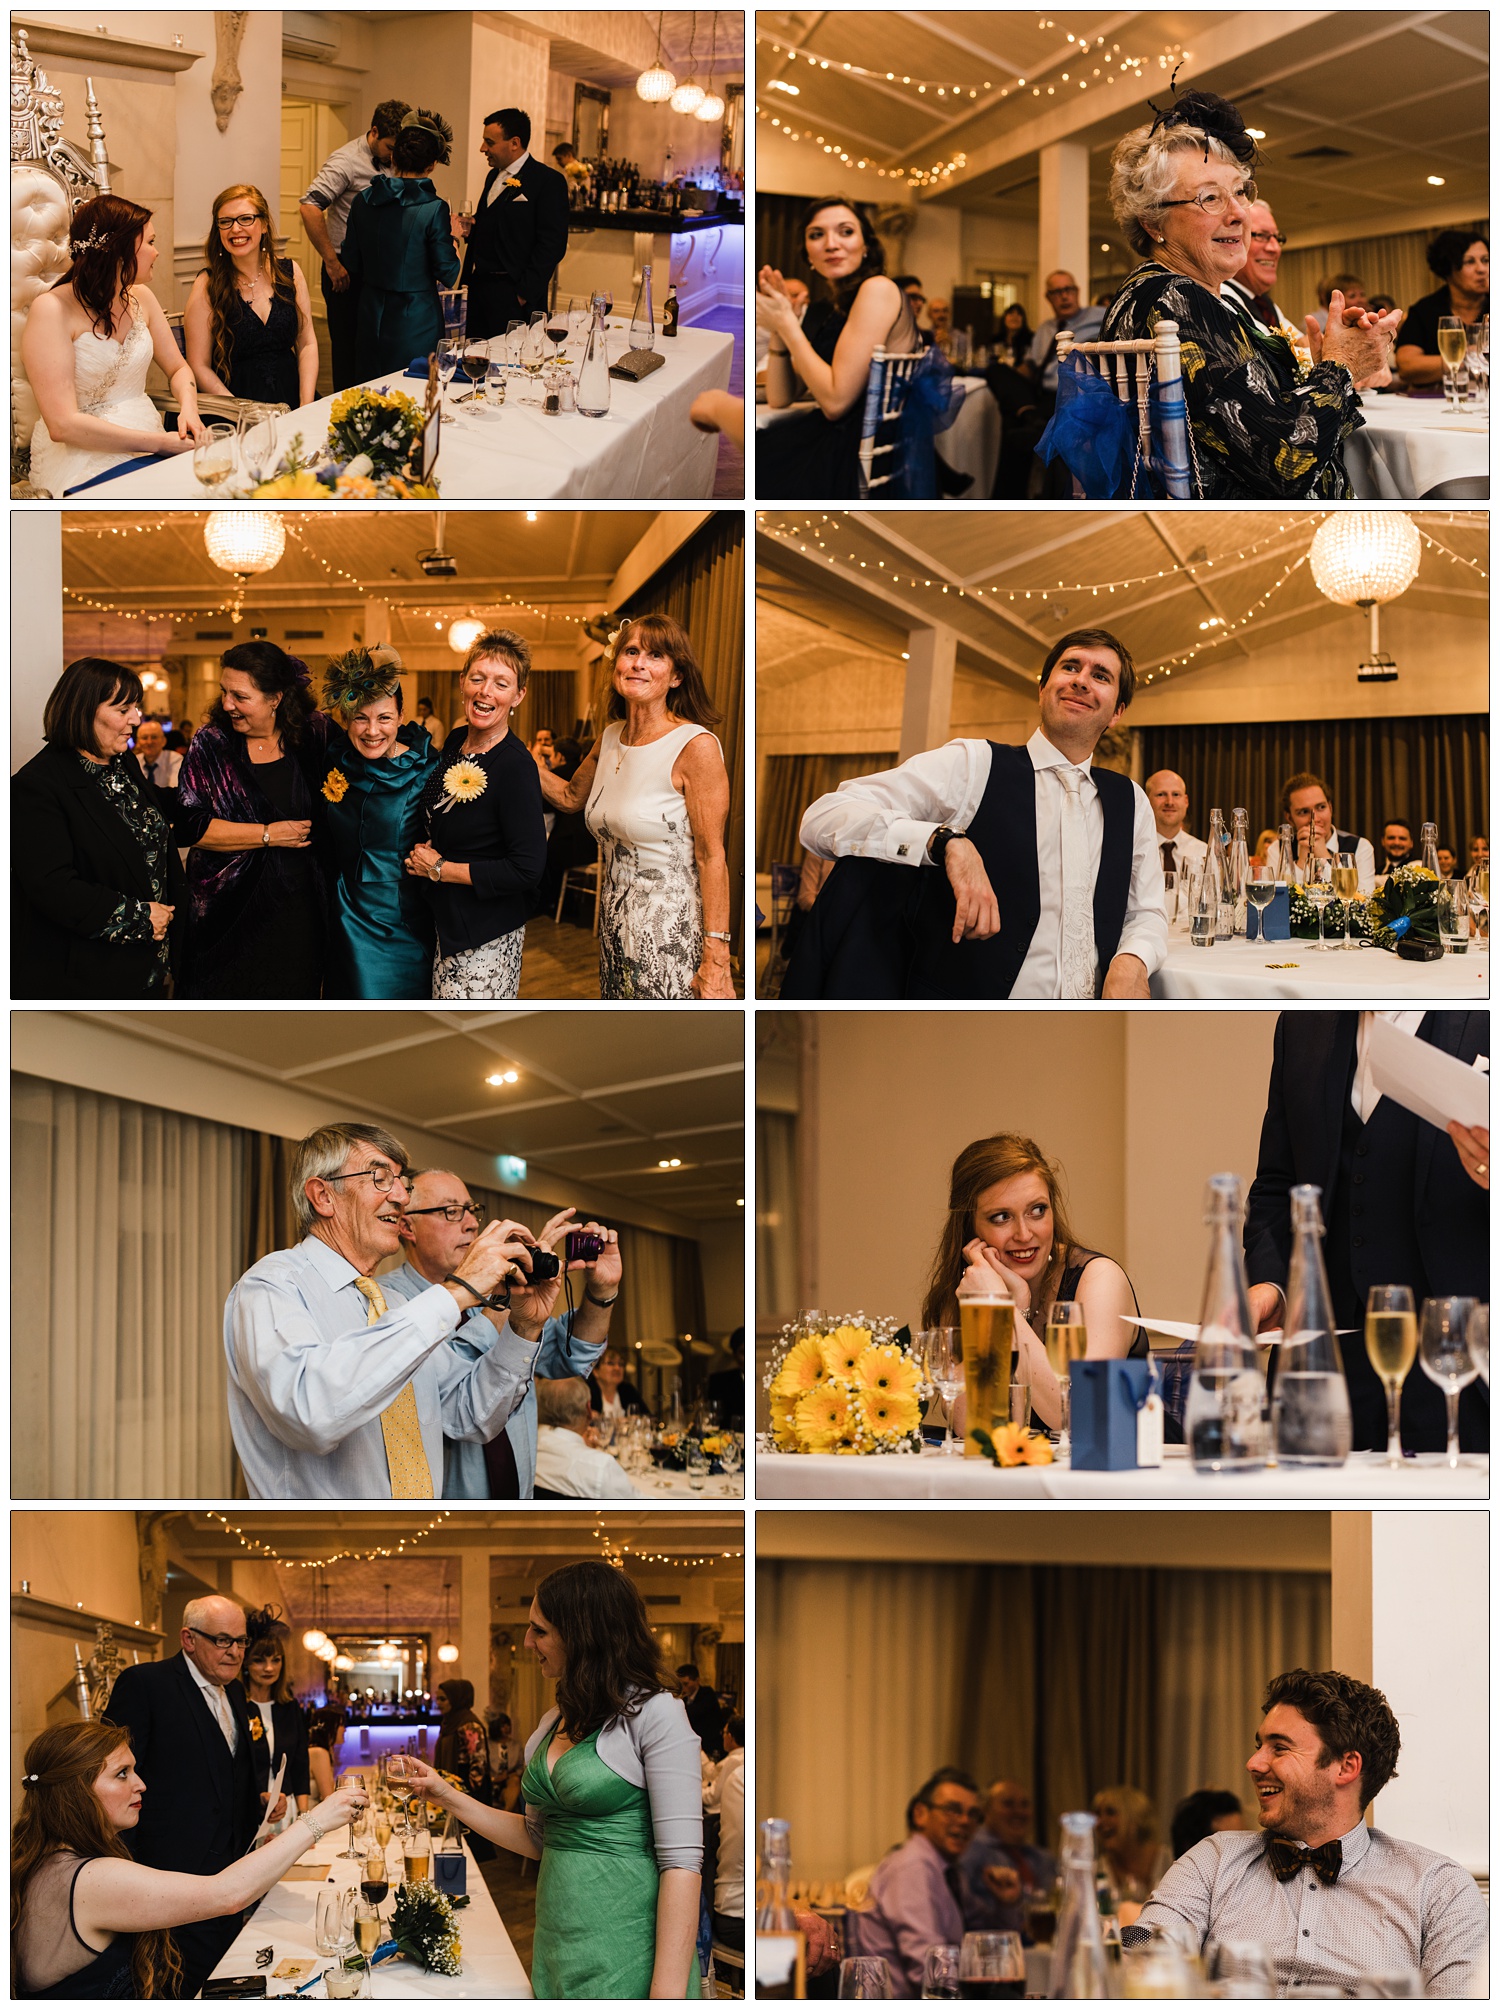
645	449
1301	970
284	1921
658	1485
934	1476
1407	446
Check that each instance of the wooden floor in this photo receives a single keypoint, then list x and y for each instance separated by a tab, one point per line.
562	961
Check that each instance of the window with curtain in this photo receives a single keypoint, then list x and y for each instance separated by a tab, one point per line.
788	784
1434	769
1068	1678
128	1228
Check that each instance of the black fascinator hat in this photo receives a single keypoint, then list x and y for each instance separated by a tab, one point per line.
265	1626
1210	114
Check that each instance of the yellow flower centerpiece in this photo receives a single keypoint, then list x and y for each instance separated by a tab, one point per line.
849	1386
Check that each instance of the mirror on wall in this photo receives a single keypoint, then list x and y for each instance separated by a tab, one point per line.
732	138
590	121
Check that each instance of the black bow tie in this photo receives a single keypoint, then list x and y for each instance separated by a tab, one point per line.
1286	1859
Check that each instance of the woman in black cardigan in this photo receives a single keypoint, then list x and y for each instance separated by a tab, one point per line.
97	882
487	847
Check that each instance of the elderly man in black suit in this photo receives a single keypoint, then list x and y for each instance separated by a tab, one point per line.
519	232
1402	1202
190	1732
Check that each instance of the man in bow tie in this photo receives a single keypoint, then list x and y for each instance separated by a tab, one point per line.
1328	1899
519	231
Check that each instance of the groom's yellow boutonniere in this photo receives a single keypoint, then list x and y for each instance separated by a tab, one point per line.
463	782
337	786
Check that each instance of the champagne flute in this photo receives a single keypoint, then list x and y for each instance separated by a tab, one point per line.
368	1926
447	362
213	457
397	1773
1318	886
945	1370
1453	343
1346	886
1066	1340
1477	361
1391	1343
359	1820
1444	1353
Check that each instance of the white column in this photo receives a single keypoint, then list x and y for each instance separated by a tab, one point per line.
1411	1616
474	1624
928	703
1063	216
36	626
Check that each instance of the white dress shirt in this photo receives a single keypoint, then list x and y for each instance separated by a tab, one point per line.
892	816
728	1802
308	1378
497	187
1394	1906
218	1703
1364	1097
1189	851
1364	858
566	1465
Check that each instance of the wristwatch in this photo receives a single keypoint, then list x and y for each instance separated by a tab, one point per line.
265	833
939	842
435	872
600	1302
718	935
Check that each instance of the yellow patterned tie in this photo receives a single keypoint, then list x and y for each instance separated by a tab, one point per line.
401	1427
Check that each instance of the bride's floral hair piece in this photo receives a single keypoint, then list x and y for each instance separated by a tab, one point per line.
104	240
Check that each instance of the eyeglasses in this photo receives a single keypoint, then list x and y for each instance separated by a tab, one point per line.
1059	292
1267	237
964	1814
454	1212
383	1178
238	222
223	1641
1214	201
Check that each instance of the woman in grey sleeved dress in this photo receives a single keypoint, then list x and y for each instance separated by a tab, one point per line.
613	1794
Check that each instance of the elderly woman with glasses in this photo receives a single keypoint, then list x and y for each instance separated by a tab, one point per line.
1266	421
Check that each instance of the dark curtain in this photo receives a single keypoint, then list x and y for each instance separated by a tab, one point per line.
729	1672
268	1197
688	1303
788	783
778	236
702	587
1424	769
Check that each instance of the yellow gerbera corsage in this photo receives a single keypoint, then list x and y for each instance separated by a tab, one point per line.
463	782
337	785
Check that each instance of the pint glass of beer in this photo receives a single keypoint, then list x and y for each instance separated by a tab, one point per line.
988	1328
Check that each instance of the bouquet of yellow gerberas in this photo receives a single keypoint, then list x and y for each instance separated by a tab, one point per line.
845	1385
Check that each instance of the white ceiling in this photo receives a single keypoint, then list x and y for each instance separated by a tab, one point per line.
600	1098
836	579
1358	107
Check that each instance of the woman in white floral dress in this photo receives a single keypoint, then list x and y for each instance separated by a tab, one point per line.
655	793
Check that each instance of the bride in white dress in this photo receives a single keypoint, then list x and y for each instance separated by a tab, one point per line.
87	347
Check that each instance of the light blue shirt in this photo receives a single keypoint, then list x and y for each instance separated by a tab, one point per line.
308	1378
557	1354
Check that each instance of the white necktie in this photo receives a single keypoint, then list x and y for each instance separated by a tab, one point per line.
221	1709
1079	967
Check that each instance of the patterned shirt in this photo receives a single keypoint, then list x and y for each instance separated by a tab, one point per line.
130	919
1395	1906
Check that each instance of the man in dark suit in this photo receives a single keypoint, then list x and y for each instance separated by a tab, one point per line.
519	231
704	1710
1402	1203
190	1733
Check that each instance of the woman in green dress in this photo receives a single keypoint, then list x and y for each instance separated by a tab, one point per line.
377	770
613	1800
398	247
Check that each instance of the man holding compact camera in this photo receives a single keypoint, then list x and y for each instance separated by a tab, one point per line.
441	1225
340	1390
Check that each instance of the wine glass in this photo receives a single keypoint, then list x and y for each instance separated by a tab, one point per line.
864	1978
1477	361
258	443
1317	885
515	338
944	1363
213	457
557	324
731	1458
1346	886
398	1777
1445	1357
992	1964
447	362
476	363
1479	896
1260	891
1241	1969
1066	1340
1453	344
697	1462
359	1820
1391	1344
333	1919
940	1975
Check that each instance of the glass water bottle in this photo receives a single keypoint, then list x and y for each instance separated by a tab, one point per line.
1078	1968
1310	1410
780	1945
1429	850
593	371
1225	1425
1239	869
643	322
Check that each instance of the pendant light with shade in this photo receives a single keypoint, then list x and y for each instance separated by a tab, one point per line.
689	96
464	633
712	108
245	541
314	1637
1364	558
447	1653
657	84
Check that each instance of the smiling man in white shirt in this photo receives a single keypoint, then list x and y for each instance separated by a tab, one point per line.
1073	848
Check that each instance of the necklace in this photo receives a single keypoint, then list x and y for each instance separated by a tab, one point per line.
622	744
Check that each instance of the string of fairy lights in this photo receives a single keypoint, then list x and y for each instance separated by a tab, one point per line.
988	598
623	1554
253	1545
1093	61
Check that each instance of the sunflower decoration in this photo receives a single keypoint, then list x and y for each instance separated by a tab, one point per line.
337	785
845	1385
1014	1445
464	782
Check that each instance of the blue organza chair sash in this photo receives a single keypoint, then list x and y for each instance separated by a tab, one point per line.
933	399
1093	432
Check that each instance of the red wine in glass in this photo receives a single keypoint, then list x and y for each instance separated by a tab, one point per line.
557	329
375	1890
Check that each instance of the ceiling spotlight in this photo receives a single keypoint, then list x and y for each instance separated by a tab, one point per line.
1437	181
739	1203
531	516
1255	132
499	1081
665	1165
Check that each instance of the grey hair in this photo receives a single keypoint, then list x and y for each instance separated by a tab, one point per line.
324	1153
562	1402
1144	170
196	1615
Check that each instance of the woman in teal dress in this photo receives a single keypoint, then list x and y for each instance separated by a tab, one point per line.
377	769
613	1791
398	247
